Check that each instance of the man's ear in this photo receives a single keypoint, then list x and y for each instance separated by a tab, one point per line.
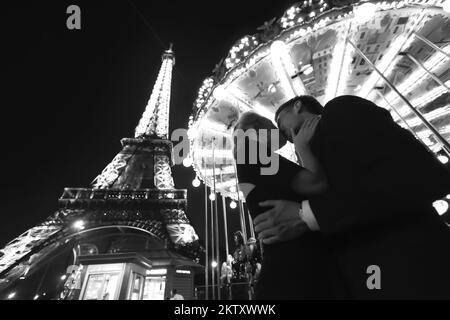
297	106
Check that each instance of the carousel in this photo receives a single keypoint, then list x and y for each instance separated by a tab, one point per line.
394	53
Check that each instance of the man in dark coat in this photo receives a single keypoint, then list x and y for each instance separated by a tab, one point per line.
388	240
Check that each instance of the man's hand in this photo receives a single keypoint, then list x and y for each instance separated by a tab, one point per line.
303	137
281	223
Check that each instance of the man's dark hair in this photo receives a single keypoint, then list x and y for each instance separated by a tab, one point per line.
174	291
309	104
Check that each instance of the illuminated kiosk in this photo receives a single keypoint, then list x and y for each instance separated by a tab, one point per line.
126	237
395	53
131	276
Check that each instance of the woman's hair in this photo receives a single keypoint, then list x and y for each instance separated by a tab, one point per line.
250	120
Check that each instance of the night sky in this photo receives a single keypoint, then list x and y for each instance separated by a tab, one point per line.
71	95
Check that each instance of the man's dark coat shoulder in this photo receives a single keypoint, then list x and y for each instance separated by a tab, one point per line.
378	210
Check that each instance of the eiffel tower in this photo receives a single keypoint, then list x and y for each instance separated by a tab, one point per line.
135	191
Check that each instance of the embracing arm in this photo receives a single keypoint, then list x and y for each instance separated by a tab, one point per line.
312	179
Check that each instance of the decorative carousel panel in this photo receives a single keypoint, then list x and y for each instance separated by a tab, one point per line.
327	50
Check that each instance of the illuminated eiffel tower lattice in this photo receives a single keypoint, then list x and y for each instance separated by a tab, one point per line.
136	190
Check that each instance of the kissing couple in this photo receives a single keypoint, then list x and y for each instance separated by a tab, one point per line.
353	219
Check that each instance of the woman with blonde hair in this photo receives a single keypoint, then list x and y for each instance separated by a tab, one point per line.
304	267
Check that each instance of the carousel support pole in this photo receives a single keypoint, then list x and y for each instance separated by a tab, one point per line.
431	74
213	276
227	251
244	223
225	224
431	44
341	64
241	215
441	139
381	96
216	221
206	241
250	222
377	90
225	228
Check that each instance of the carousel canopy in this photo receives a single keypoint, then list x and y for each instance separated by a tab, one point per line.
315	48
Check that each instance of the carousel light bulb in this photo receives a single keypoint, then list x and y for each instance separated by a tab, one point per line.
79	224
11	295
213	264
448	196
192	133
36	297
278	47
63	277
441	206
446	6
187	162
212	196
272	88
219	93
196	182
307	69
233	205
364	12
442	159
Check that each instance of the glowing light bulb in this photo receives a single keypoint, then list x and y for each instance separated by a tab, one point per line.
196	182
212	196
36	297
63	277
214	264
192	132
79	224
277	47
11	295
233	205
446	6
219	93
307	69
187	162
442	159
364	12
441	206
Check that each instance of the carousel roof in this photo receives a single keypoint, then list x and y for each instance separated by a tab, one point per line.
309	51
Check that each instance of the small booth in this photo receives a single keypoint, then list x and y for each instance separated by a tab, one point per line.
136	276
113	276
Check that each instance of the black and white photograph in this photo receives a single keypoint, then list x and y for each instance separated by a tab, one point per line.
231	154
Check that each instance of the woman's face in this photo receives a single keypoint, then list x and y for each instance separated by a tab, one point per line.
270	132
267	134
